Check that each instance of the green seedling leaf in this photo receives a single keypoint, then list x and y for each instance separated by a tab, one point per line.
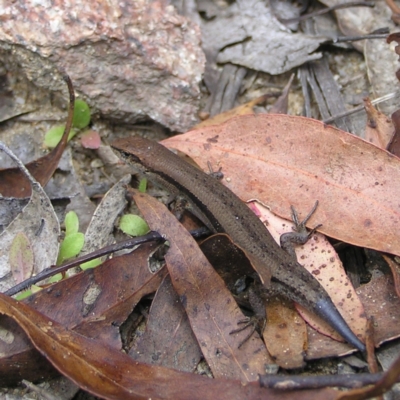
71	246
35	289
81	114
27	293
54	134
142	185
71	223
55	278
133	225
23	295
21	258
91	264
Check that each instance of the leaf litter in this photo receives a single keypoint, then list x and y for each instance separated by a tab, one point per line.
168	340
67	302
306	206
101	370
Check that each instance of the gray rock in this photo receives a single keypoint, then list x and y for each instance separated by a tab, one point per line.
129	60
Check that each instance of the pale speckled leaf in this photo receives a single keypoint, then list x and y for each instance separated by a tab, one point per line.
98	233
39	224
21	258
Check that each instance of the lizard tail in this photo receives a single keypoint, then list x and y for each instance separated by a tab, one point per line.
327	310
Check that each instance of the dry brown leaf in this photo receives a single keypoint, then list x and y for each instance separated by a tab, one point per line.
285	333
110	374
94	303
395	268
380	301
283	160
394	145
168	340
395	37
322	346
281	104
243	109
379	130
395	11
212	311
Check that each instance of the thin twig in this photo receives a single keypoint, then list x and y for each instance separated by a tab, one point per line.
328	9
341	39
361	108
48	272
290	382
124	245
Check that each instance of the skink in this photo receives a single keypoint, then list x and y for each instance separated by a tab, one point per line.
223	212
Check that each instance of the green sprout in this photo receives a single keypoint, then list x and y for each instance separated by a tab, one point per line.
80	121
54	134
72	244
142	185
133	225
26	293
73	241
81	114
71	223
91	264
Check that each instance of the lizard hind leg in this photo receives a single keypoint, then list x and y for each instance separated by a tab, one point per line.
247	322
257	321
300	234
